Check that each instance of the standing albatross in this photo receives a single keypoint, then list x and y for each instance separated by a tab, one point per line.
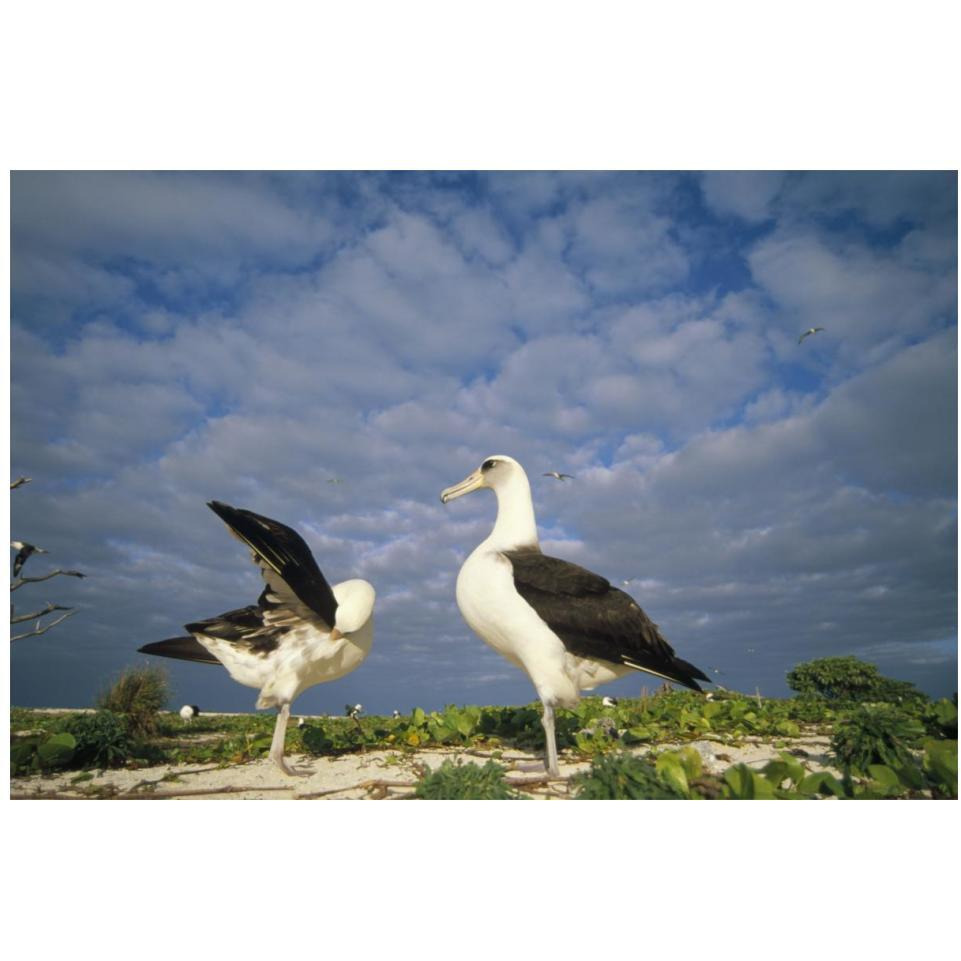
568	628
300	633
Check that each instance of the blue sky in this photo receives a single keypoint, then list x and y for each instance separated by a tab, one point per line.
177	337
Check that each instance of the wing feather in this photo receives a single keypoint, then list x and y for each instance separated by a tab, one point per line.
595	619
292	575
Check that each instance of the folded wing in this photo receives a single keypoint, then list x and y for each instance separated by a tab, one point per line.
594	619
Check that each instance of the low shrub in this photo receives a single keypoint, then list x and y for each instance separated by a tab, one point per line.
102	739
849	679
623	777
875	734
138	694
465	782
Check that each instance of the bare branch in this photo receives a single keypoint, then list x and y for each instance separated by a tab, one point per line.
20	581
19	482
36	615
42	628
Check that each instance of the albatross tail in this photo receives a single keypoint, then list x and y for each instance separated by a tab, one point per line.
677	670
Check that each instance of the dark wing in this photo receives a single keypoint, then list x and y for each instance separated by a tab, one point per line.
181	648
292	574
594	619
246	627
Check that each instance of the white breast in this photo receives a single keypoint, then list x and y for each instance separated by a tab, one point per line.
490	604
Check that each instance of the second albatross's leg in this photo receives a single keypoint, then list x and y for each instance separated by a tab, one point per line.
550	741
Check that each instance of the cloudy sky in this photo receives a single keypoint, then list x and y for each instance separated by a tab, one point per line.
249	337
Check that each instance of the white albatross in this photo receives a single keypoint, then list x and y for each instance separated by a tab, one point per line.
301	632
568	628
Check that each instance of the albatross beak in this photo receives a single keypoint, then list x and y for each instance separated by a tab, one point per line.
467	485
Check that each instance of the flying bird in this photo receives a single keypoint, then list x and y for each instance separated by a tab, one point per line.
24	551
558	475
189	711
808	332
568	628
301	632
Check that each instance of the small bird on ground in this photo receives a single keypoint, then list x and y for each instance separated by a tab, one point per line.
24	551
189	711
396	713
558	475
354	711
609	701
808	332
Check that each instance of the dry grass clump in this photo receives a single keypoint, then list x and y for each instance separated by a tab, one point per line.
138	694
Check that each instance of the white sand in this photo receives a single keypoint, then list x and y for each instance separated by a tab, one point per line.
375	774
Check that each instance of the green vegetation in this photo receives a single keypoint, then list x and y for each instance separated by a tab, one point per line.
623	777
138	694
849	679
875	734
465	782
103	739
891	746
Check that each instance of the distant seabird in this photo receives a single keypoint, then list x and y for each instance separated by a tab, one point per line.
808	332
558	475
300	633
189	711
353	710
396	713
568	628
24	550
609	701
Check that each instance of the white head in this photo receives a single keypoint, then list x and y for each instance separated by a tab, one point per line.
355	605
515	526
498	472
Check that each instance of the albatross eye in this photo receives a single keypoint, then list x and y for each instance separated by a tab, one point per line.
488	464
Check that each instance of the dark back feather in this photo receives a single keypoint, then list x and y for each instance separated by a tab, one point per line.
594	619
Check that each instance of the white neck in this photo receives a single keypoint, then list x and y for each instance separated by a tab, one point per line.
515	525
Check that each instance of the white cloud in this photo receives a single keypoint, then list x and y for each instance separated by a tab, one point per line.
744	193
795	501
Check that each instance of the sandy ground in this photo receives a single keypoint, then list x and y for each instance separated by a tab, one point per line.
373	775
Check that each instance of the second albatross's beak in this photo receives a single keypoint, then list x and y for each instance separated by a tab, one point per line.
468	484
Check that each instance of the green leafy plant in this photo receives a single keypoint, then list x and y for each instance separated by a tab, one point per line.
941	719
465	782
848	678
875	734
102	739
940	765
623	777
57	751
138	694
